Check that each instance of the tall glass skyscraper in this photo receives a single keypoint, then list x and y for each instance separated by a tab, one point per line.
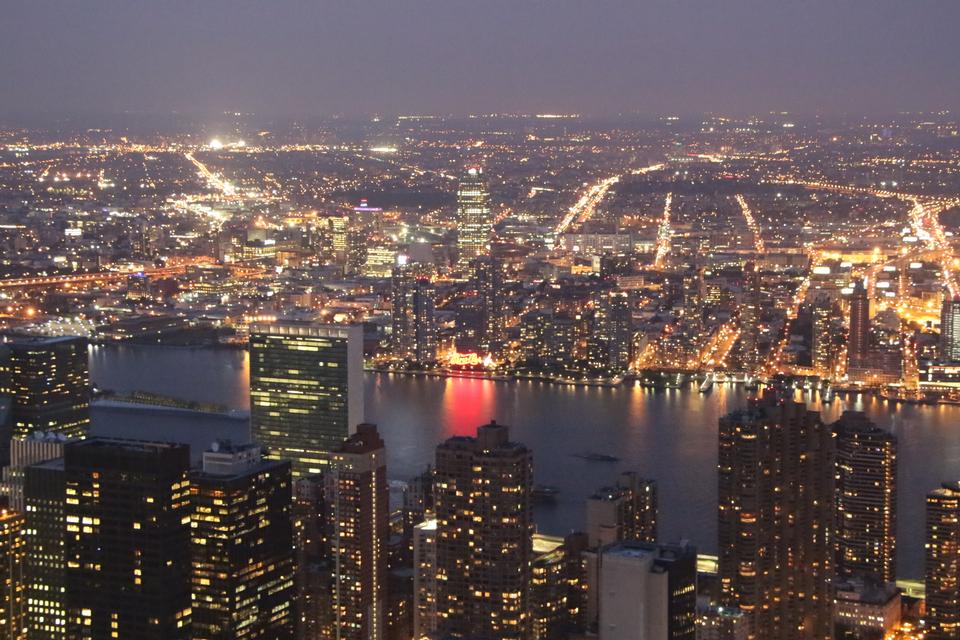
306	390
474	218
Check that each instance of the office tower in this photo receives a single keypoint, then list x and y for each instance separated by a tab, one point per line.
45	568
557	581
484	528
13	619
127	540
858	340
491	289
357	497
750	310
306	390
414	328
474	218
425	579
36	447
241	546
614	330
943	563
313	572
648	592
821	343
625	511
950	330
49	381
866	496
776	518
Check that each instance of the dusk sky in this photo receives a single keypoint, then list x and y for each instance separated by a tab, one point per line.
358	57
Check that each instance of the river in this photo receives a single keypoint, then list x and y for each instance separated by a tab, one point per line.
668	435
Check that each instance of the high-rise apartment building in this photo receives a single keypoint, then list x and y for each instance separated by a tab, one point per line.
358	501
557	584
490	277
614	331
474	217
647	592
45	569
750	310
942	564
13	619
484	528
127	539
950	330
866	496
413	328
822	356
242	546
776	518
625	511
48	380
425	579
306	390
858	339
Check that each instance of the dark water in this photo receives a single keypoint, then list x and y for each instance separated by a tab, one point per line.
667	435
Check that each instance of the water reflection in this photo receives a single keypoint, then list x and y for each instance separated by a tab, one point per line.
670	435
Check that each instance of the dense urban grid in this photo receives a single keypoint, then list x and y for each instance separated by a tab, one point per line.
800	258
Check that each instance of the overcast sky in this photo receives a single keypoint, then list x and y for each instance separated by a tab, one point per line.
358	57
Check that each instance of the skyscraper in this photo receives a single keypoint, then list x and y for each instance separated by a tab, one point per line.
943	563
750	318
822	336
950	330
556	586
306	390
491	289
858	340
358	497
13	619
127	541
45	570
625	511
313	573
866	493
484	528
614	330
414	329
242	550
425	579
474	218
49	382
776	518
648	592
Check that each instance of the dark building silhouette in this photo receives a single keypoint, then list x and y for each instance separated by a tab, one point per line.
127	539
44	494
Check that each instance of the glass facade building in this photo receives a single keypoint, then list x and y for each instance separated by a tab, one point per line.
306	390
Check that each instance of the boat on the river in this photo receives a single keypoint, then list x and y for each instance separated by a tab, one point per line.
593	456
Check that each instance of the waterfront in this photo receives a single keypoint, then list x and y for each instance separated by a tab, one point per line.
669	435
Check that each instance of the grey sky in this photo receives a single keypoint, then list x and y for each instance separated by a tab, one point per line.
364	56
